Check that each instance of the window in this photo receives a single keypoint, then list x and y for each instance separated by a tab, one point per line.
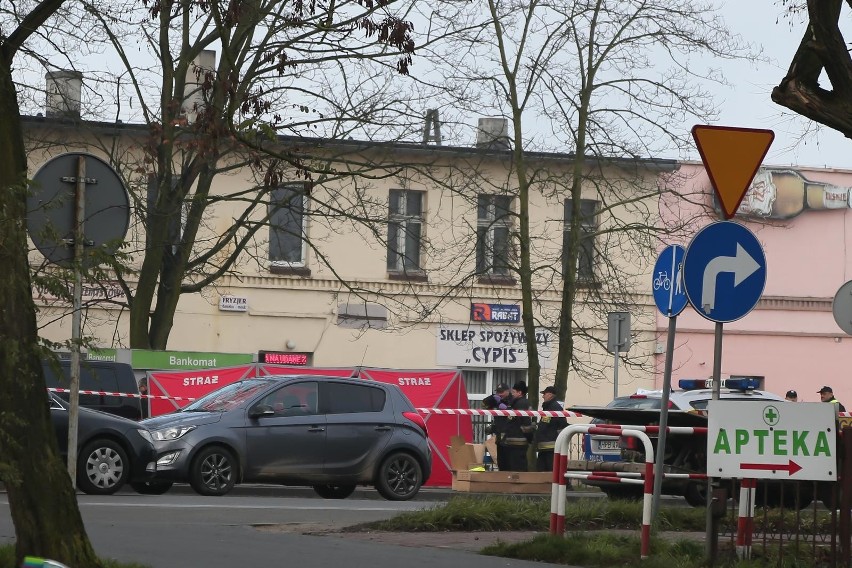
405	227
362	316
287	225
298	399
493	223
588	228
177	223
342	398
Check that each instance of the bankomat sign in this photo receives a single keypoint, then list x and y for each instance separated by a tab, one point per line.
490	346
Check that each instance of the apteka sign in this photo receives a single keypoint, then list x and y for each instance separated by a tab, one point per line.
762	439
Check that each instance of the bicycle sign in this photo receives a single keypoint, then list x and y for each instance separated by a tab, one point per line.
669	293
662	281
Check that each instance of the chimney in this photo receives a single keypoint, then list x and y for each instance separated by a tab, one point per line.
63	94
193	96
493	133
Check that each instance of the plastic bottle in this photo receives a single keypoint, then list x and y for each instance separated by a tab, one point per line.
783	194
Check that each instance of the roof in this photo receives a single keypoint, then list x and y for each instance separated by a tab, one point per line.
120	128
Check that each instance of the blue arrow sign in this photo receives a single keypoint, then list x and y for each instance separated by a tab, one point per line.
724	271
667	281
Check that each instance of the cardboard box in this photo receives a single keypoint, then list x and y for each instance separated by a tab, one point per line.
464	456
491	448
538	482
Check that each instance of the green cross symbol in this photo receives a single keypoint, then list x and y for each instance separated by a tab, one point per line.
771	415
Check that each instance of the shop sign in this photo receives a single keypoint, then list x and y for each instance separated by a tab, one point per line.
491	346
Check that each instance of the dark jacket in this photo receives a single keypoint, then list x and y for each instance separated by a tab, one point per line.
498	423
549	426
840	407
520	428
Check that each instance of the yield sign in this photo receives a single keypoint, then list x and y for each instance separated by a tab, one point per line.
731	157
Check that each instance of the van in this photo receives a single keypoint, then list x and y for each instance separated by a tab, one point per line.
102	376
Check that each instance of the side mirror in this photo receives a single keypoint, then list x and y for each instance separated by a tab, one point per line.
261	410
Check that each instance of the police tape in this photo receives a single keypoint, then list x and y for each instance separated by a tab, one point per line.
127	394
497	412
445	411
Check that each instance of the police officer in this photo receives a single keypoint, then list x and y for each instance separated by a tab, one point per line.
548	429
518	432
500	400
827	395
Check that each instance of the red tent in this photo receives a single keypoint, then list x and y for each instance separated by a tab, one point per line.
178	387
433	388
268	369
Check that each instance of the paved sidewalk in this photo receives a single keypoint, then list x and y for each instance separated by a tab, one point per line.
456	540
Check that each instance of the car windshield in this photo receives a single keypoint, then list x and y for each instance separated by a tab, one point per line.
636	403
227	397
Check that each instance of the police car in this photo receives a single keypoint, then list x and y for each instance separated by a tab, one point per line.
684	454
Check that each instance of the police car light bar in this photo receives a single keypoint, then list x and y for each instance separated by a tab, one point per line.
736	384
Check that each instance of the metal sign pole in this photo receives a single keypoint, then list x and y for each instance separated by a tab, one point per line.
664	419
617	349
712	539
76	318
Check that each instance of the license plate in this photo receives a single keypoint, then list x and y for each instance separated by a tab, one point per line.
608	444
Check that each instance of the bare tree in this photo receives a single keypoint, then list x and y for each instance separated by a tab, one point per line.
823	49
612	83
44	508
260	87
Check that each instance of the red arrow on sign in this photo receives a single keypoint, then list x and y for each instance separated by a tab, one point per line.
791	467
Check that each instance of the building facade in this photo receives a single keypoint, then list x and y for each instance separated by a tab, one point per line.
802	218
413	266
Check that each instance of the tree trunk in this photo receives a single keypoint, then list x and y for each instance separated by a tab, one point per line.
41	500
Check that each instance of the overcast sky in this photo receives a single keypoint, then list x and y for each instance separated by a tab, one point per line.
747	103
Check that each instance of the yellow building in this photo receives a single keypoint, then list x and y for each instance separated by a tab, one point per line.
399	255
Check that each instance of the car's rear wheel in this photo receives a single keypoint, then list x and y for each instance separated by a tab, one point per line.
400	477
774	496
151	487
334	491
623	492
213	471
102	467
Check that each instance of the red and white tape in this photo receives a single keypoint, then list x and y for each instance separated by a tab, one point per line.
484	412
127	394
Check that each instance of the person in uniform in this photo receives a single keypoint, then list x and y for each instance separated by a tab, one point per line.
500	400
548	429
826	394
519	432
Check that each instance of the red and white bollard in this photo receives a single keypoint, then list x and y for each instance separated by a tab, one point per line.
745	521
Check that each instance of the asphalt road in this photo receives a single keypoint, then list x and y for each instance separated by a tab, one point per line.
180	529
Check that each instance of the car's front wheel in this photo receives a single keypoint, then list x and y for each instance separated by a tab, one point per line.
102	467
213	471
334	491
696	494
400	477
151	487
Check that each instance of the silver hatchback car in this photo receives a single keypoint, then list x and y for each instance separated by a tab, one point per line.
326	432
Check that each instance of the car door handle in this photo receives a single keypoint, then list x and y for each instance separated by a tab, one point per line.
316	429
382	428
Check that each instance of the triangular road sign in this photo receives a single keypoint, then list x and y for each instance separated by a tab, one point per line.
731	157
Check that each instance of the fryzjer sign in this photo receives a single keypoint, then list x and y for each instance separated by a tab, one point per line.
478	345
772	440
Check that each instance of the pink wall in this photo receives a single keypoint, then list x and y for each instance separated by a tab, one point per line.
791	338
